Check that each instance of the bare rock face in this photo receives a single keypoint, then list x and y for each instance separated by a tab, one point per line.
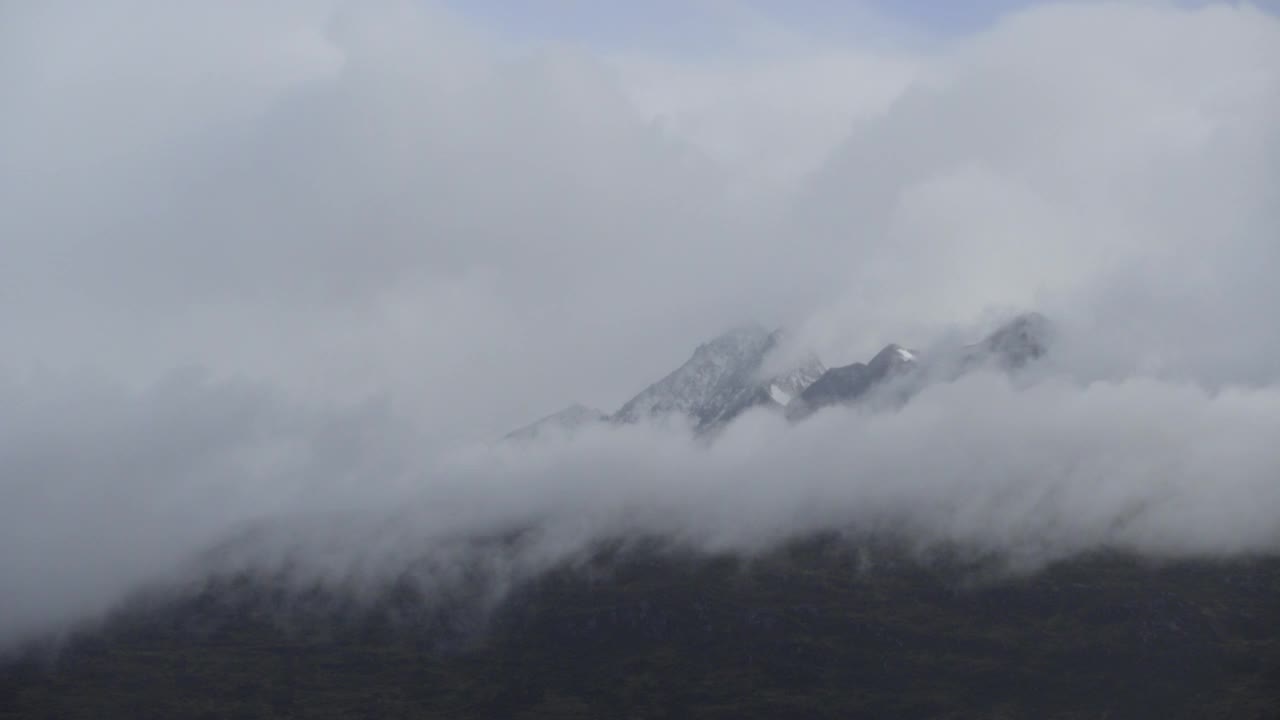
852	383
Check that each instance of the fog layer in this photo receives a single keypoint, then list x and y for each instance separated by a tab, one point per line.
296	267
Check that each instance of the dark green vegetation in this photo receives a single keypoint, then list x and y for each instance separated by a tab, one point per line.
818	629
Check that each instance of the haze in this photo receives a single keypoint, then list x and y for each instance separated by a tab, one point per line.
264	267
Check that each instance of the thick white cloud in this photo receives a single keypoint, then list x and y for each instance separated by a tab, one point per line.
1105	161
381	234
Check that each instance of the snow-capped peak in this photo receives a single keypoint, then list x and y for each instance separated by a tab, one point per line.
744	368
707	382
892	359
724	378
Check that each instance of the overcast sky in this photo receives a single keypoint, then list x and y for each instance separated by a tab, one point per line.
255	249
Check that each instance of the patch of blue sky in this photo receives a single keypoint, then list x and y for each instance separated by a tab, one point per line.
696	26
693	27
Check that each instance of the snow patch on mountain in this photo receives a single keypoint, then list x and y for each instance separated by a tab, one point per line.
707	383
779	395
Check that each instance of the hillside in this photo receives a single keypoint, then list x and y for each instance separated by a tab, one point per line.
823	627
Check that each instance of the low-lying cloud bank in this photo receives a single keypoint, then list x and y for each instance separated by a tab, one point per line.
1030	474
382	234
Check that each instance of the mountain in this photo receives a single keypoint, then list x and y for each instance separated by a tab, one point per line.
895	373
1013	345
838	384
787	385
822	627
722	379
727	376
707	383
776	392
572	418
833	624
851	383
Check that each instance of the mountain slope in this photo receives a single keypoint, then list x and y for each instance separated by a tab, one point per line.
721	380
726	377
819	628
852	383
895	373
1013	345
568	420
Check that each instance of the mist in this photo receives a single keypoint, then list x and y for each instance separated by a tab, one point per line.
281	277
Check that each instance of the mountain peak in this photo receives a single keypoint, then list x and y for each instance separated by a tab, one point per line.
851	383
728	375
1019	341
891	359
722	379
744	339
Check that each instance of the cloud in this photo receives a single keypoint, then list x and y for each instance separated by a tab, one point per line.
1020	171
382	235
135	488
